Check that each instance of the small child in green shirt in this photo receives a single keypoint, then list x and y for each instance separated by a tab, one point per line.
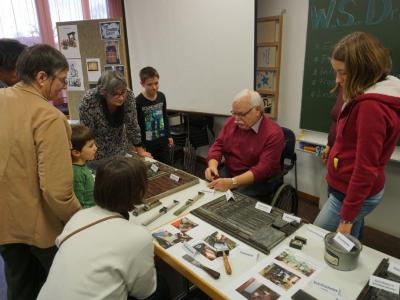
83	149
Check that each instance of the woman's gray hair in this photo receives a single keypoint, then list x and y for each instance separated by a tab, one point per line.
111	82
255	97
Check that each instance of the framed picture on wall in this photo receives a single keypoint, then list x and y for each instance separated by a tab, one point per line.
266	32
265	80
268	46
92	85
269	105
110	30
120	68
266	57
112	52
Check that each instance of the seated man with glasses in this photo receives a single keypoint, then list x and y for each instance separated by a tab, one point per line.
252	146
110	111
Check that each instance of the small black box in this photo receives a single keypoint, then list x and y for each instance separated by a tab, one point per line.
301	239
296	244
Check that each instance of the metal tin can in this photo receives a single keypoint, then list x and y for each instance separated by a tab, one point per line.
337	257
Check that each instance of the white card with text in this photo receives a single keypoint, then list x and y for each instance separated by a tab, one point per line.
394	268
290	218
328	288
264	207
384	284
229	195
343	241
154	168
174	177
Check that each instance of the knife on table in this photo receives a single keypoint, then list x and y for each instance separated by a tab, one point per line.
214	274
188	203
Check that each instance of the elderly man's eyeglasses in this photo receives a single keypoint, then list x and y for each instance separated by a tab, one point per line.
242	114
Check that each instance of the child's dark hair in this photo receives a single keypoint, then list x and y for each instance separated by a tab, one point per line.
147	73
10	50
120	184
80	136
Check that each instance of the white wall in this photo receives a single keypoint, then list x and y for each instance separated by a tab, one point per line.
195	45
310	169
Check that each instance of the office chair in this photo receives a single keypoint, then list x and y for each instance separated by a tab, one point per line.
285	195
191	133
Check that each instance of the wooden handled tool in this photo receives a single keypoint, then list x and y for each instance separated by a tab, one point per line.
214	274
223	250
227	265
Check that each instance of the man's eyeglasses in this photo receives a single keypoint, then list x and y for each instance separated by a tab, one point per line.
242	114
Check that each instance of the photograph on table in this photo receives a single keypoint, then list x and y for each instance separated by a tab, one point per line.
219	238
296	262
167	239
184	224
279	276
206	251
253	289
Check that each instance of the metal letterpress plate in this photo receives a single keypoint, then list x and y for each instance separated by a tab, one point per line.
267	237
242	220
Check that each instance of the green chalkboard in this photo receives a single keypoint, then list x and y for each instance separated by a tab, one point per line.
328	22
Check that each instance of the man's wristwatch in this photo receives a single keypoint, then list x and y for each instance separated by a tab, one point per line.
234	182
346	222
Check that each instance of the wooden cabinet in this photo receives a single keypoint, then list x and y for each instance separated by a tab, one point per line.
267	61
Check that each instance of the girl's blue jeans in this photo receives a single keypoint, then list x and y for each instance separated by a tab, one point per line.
329	216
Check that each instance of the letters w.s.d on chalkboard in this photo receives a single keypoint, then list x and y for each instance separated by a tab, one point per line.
328	22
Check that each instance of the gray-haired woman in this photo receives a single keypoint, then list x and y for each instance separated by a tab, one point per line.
110	111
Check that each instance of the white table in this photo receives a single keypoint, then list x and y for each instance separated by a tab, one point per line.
350	283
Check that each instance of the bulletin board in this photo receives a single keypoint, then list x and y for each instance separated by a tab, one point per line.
91	47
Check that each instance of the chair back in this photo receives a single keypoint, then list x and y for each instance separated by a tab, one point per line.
288	157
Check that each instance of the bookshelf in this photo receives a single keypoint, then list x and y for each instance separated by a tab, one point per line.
268	61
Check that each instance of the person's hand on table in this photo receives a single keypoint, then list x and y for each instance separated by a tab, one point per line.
143	152
221	184
344	228
211	173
